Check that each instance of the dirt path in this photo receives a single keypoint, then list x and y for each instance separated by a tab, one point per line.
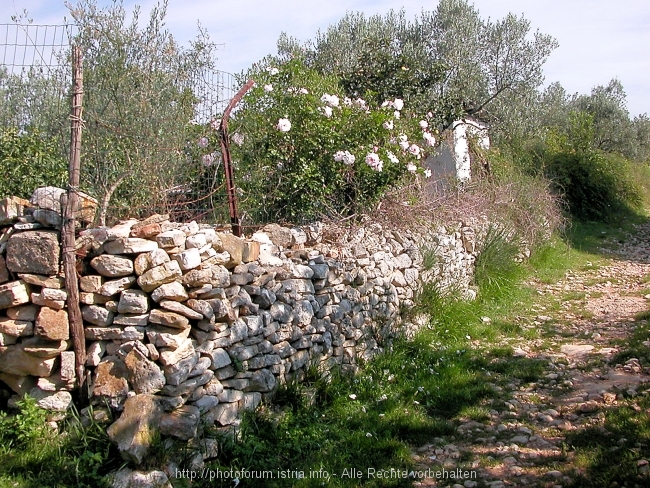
523	443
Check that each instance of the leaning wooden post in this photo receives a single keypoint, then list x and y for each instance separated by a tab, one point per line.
69	221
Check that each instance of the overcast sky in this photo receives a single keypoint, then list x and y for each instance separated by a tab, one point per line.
599	39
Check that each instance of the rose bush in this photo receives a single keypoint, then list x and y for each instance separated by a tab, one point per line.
307	151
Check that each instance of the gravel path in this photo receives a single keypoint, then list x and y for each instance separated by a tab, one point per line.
522	443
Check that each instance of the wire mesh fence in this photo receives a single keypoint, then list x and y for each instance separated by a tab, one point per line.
150	114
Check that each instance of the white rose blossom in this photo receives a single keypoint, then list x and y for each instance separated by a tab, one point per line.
303	91
345	157
372	160
327	111
415	150
428	137
427	173
412	168
392	158
424	124
331	100
268	88
272	71
396	114
398	104
388	125
404	145
284	125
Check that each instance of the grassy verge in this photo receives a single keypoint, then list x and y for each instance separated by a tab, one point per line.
416	392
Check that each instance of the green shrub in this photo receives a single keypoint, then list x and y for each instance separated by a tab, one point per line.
29	160
303	149
595	185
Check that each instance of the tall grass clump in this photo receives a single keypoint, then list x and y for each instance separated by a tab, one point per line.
496	265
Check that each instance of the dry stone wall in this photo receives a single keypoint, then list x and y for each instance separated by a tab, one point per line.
183	322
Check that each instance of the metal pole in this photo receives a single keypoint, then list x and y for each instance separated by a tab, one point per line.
227	161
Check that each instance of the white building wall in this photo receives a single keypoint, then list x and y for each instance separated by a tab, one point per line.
453	159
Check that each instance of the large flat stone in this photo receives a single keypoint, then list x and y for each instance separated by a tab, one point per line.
154	277
14	360
114	333
111	378
112	266
144	375
169	319
182	422
136	428
35	252
133	301
52	324
16	328
129	245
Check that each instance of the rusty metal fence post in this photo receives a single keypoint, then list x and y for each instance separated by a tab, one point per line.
227	160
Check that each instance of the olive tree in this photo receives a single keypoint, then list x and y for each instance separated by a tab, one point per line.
138	106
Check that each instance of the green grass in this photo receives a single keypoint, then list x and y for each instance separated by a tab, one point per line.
609	454
33	455
417	390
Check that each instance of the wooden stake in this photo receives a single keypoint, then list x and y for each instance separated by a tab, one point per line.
69	220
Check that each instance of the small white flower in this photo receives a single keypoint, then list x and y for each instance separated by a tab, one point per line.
383	398
429	139
415	150
404	145
352	396
372	160
347	101
272	71
345	157
303	91
386	103
361	103
388	125
202	142
392	158
284	125
424	124
331	100
411	168
403	137
237	138
327	111
268	88
398	104
427	173
396	114
368	434
208	160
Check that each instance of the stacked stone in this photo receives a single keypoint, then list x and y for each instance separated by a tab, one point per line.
183	322
34	330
